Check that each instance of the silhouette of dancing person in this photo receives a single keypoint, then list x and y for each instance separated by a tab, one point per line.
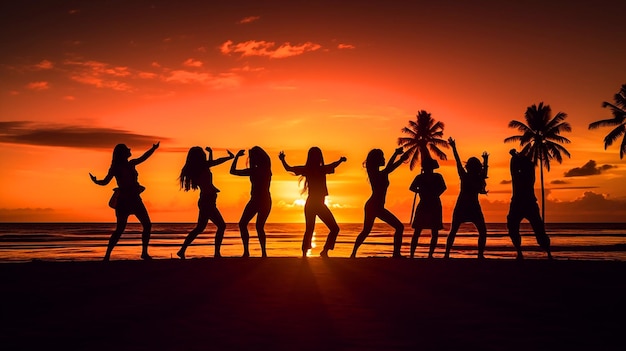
467	208
128	199
196	174
314	173
260	203
524	204
429	186
375	205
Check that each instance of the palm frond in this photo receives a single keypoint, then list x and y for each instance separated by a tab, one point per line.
614	135
605	123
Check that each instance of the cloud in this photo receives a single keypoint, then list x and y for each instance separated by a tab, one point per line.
192	63
69	98
73	136
44	64
267	48
24	214
506	181
220	81
345	46
38	86
559	182
249	19
588	169
100	74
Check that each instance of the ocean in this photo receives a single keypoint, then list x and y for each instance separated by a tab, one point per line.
24	242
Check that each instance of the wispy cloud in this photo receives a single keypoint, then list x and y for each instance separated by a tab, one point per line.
44	65
267	48
100	74
249	19
220	81
345	46
73	136
559	182
192	63
588	169
38	85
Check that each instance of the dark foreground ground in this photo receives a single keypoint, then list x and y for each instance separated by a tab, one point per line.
314	304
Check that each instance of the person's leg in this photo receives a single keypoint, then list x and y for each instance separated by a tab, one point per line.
433	242
386	216
203	219
513	220
368	223
216	217
416	236
122	219
482	236
539	228
329	220
310	212
450	241
142	215
248	213
261	218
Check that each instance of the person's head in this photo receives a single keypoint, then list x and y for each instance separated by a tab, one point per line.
259	158
473	165
429	164
314	157
196	160
375	158
121	152
513	152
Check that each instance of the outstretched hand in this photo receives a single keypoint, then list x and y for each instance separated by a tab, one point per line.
156	146
208	149
230	154
399	150
343	159
240	153
93	178
281	155
451	142
485	155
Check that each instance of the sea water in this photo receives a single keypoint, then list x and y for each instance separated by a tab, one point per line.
22	242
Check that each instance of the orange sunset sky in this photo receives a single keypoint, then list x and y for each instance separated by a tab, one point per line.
78	77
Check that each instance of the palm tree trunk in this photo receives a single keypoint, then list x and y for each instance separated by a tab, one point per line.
543	192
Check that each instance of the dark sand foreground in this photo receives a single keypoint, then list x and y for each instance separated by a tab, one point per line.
314	304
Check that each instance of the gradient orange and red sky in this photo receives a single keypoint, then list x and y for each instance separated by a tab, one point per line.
76	78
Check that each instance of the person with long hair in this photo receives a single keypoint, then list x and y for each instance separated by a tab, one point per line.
428	214
127	196
314	173
260	204
196	174
467	208
375	205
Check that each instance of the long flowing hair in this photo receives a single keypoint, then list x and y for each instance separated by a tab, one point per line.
314	159
261	160
194	165
373	162
475	172
120	154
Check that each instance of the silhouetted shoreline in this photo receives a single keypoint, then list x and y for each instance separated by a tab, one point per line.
315	303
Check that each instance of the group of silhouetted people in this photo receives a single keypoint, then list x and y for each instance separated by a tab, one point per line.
196	174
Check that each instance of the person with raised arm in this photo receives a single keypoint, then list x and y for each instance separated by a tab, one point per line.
260	204
467	208
375	205
428	214
126	198
314	173
196	174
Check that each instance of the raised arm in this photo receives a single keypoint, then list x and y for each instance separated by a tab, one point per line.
211	162
485	164
233	166
393	164
281	157
145	156
104	181
459	165
338	162
210	152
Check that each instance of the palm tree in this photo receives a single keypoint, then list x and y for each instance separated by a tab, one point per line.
541	139
619	119
424	133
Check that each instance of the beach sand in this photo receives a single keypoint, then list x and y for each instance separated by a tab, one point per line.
313	304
